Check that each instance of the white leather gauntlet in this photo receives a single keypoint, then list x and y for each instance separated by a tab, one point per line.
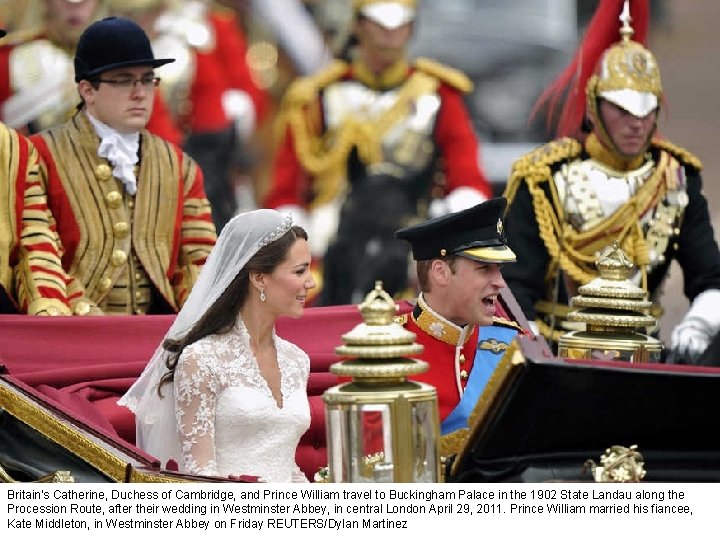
691	337
239	107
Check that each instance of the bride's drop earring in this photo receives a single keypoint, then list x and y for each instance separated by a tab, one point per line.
262	295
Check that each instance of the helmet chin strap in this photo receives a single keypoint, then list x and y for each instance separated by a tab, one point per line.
600	131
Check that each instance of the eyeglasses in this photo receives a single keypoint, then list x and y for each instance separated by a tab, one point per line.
130	83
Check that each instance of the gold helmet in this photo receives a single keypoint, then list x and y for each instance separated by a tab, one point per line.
623	71
388	14
626	75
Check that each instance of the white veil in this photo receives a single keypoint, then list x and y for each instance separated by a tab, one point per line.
241	238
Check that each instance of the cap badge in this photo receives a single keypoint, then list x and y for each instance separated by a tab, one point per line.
499	226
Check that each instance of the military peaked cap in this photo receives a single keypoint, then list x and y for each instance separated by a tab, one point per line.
476	233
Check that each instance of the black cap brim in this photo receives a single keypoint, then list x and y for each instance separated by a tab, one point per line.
155	62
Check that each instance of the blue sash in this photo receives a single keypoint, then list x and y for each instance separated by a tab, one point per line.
486	360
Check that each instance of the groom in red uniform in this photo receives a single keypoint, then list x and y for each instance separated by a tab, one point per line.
456	318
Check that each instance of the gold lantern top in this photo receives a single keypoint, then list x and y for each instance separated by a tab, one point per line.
616	313
378	339
611	300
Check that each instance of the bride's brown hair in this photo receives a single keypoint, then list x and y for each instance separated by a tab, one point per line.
221	316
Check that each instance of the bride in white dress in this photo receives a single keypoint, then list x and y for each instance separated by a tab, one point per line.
223	395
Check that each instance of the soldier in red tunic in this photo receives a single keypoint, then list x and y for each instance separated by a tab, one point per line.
459	257
375	114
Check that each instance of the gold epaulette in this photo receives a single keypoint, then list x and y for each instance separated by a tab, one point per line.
681	154
535	165
305	89
223	11
446	74
18	37
501	321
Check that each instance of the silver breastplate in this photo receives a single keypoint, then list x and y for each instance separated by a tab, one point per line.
44	93
590	193
407	143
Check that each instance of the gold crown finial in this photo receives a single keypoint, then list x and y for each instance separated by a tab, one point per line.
626	31
378	308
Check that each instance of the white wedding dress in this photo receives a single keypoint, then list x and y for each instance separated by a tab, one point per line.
227	417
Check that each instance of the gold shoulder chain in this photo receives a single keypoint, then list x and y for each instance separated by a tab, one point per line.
681	154
535	166
453	77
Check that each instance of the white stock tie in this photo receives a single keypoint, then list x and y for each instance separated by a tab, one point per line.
121	150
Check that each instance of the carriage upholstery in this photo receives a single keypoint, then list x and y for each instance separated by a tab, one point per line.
84	364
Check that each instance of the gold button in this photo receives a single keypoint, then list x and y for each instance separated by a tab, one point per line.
138	295
138	275
121	229
81	308
105	284
463	374
676	246
118	257
462	358
113	199
131	203
103	172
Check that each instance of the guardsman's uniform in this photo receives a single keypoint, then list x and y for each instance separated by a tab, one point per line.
345	123
575	196
461	358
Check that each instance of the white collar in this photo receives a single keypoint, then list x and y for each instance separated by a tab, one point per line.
121	150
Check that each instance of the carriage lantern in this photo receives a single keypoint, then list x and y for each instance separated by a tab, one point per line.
380	426
616	314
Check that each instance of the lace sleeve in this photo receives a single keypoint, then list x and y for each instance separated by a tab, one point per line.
195	401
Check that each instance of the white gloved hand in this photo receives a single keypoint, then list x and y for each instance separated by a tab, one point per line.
692	336
458	199
239	107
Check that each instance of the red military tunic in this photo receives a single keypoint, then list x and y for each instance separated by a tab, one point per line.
204	70
450	351
295	183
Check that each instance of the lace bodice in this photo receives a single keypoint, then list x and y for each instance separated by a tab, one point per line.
227	417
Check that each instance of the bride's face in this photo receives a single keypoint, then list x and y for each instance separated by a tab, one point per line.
289	283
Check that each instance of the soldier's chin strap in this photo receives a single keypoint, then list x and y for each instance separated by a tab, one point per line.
701	323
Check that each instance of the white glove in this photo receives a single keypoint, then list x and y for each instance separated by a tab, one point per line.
458	199
692	336
239	107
